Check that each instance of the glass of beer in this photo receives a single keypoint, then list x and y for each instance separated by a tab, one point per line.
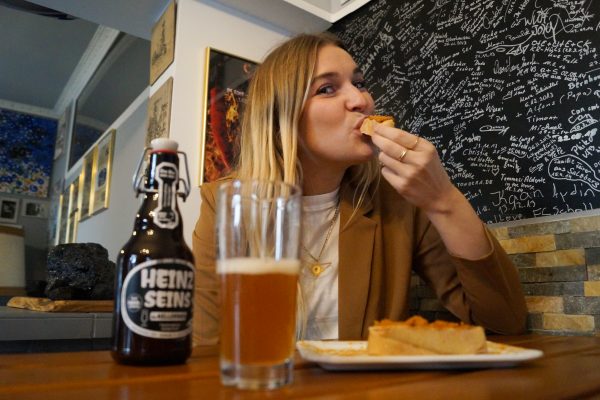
258	235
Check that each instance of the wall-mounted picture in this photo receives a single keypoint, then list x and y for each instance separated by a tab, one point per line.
226	87
159	112
101	173
9	210
72	217
63	215
26	153
73	212
61	133
162	43
34	208
85	185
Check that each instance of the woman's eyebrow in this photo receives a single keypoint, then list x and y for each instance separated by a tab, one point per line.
332	75
325	75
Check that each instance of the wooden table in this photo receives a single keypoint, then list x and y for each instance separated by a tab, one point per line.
569	369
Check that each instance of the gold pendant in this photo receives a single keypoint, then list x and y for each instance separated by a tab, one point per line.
316	269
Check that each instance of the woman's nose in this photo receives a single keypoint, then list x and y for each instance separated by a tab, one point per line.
358	100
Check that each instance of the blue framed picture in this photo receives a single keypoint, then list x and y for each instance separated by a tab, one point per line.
26	153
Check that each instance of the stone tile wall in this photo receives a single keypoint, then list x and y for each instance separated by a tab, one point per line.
559	266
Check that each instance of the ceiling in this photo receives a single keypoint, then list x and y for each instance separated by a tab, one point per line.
40	54
46	61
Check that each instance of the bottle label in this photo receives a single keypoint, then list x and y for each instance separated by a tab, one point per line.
157	298
165	215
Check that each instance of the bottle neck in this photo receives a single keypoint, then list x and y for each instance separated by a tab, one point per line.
159	211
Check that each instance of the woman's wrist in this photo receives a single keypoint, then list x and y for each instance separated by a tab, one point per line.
459	226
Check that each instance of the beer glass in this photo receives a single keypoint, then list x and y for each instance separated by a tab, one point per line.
258	235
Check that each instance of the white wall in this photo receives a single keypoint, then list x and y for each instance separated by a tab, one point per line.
112	227
200	24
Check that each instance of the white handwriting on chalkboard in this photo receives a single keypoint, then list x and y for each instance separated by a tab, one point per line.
508	92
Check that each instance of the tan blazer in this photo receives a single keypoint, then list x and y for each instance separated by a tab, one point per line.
377	248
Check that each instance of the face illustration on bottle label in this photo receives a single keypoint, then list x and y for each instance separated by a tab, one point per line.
165	215
157	298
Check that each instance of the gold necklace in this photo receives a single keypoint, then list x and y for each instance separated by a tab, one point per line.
317	266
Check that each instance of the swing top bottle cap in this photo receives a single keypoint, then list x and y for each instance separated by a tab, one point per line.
164	144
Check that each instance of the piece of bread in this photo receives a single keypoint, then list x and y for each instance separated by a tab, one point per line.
369	123
417	336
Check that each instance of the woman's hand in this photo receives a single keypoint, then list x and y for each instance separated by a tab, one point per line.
412	166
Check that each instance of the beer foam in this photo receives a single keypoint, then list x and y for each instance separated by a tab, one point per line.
257	266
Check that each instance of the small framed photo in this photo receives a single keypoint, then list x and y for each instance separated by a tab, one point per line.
159	112
9	210
63	213
72	212
162	43
85	185
226	87
101	173
62	132
35	208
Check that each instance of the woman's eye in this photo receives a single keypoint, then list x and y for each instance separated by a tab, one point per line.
326	89
360	84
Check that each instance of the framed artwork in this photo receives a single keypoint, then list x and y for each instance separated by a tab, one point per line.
85	185
73	212
26	153
35	208
61	133
162	43
159	112
101	173
226	87
63	214
9	210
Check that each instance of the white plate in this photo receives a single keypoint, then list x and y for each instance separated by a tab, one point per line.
340	355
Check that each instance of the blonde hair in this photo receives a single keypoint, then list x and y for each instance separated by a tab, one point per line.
268	148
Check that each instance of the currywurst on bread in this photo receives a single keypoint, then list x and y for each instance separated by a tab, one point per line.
369	123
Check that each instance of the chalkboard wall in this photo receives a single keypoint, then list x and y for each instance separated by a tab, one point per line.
507	90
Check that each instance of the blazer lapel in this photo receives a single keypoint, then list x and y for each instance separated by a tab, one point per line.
355	255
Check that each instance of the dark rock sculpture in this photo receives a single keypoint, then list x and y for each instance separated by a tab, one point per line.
80	271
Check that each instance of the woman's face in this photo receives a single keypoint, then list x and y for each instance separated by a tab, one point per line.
337	103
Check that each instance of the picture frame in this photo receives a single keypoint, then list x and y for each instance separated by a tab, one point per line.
85	185
62	132
225	90
34	208
9	210
162	43
102	172
159	112
73	212
26	156
63	214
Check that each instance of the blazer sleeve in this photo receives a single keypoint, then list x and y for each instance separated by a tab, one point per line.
485	292
206	295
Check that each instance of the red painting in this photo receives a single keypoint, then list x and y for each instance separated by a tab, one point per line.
226	90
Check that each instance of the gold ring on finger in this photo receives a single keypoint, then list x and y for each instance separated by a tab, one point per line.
401	156
414	144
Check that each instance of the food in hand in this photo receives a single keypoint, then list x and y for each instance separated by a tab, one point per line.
417	336
369	123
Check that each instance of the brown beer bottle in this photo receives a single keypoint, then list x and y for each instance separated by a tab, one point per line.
154	286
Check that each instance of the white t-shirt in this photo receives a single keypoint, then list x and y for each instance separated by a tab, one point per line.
320	294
